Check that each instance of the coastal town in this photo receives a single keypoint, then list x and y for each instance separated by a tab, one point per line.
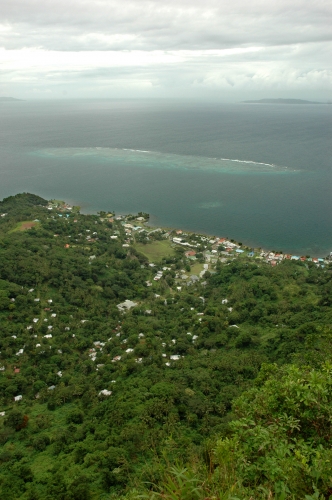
199	248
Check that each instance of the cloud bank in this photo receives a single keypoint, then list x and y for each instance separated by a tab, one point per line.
137	48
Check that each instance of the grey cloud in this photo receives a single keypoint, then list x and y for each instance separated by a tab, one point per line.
293	40
149	25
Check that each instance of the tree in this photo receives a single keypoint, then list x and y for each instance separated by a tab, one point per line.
17	420
282	434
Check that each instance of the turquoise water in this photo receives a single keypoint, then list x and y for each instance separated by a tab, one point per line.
258	174
151	159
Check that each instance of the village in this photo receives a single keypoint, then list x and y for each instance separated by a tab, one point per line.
201	248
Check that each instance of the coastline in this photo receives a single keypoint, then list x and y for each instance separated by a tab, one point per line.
253	245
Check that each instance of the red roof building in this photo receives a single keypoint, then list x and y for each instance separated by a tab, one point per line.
190	253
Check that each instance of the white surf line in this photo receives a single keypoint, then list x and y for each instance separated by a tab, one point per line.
234	160
135	150
205	158
250	161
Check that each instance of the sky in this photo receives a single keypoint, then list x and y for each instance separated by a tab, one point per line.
225	50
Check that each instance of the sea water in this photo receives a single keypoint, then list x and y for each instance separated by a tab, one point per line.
260	174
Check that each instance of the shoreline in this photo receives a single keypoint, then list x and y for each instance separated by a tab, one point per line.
152	222
250	245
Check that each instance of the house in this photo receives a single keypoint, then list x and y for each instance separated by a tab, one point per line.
105	392
18	398
126	305
190	253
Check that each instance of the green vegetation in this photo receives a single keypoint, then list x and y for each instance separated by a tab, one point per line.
196	268
24	225
157	250
219	388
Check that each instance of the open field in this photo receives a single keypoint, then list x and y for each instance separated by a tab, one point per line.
156	250
196	268
24	225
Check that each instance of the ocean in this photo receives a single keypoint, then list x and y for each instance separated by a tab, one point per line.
258	173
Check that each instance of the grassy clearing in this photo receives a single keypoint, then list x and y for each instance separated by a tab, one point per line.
196	268
157	250
24	226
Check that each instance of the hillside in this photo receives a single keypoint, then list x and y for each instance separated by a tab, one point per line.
282	101
8	99
124	377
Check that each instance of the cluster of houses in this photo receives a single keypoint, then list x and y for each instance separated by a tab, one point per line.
232	248
57	205
274	258
38	346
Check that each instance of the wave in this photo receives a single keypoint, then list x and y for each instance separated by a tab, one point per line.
250	161
137	150
221	159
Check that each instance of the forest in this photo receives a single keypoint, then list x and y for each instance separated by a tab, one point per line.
221	390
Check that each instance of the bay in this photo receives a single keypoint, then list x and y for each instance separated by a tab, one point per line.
260	174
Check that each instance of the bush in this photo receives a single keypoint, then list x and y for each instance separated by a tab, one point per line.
75	417
41	442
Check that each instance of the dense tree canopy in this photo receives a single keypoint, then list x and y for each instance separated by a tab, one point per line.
221	389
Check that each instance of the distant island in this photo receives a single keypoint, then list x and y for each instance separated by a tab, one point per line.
9	99
281	101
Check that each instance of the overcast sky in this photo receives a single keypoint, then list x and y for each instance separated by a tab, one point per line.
202	49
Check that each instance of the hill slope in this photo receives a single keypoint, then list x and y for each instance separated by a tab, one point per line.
97	399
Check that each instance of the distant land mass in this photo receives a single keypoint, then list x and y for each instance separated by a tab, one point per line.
281	101
8	99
